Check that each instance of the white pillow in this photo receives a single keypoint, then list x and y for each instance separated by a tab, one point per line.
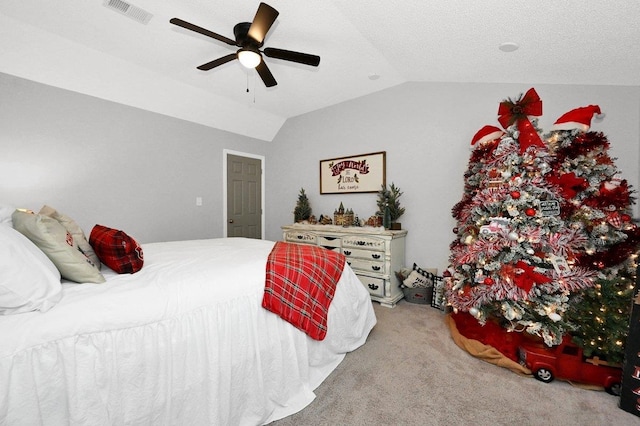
75	230
5	214
29	281
416	280
59	246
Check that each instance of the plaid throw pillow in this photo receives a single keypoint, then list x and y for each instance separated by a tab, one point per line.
116	249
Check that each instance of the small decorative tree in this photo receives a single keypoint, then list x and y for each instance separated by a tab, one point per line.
303	208
391	196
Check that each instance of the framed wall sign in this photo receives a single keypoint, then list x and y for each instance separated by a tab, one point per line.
358	173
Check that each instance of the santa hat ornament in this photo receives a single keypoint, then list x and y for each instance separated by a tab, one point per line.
579	118
485	135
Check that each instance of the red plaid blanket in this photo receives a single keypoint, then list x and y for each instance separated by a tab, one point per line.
300	284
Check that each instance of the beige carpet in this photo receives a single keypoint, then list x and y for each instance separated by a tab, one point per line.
410	372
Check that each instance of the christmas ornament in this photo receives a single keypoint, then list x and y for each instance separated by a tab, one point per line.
550	207
611	185
530	211
485	135
579	118
495	225
544	168
513	211
615	220
554	317
559	264
515	194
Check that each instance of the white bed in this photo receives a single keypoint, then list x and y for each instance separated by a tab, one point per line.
184	341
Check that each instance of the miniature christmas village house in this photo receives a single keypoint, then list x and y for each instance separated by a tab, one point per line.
343	217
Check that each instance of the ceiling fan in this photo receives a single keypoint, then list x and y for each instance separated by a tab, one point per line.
250	38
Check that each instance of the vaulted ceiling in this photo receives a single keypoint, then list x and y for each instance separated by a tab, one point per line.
88	47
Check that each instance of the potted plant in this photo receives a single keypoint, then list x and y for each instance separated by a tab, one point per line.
389	205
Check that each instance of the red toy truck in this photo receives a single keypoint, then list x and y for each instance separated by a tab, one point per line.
567	362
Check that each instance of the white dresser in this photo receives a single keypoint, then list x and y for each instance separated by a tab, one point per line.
374	254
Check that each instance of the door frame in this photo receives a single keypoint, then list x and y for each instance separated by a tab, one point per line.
225	159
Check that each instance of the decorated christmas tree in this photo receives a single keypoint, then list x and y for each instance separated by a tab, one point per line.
544	231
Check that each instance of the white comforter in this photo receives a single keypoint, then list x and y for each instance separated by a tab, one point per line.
184	341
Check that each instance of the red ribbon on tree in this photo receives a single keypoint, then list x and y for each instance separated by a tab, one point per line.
510	112
528	277
569	184
523	275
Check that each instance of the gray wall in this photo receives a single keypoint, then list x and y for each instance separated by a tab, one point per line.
426	130
102	162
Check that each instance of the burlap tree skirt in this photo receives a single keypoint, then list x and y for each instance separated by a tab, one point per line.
480	350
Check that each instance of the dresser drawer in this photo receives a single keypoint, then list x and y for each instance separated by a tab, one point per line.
373	284
336	249
366	265
361	241
364	254
300	237
328	241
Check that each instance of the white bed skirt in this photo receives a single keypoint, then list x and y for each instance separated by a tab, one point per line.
189	368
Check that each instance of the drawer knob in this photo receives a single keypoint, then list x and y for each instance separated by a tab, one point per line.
375	268
347	252
373	286
375	256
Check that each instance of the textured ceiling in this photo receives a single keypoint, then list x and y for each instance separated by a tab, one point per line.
87	47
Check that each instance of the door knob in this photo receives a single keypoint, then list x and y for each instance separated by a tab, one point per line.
230	220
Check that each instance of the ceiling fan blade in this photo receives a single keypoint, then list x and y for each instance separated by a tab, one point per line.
184	24
262	22
210	65
288	55
265	74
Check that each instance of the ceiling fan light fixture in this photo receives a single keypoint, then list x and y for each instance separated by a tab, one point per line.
249	58
249	37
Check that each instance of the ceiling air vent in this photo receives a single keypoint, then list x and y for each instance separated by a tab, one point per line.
127	9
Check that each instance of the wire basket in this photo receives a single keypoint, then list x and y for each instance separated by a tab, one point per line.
421	296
